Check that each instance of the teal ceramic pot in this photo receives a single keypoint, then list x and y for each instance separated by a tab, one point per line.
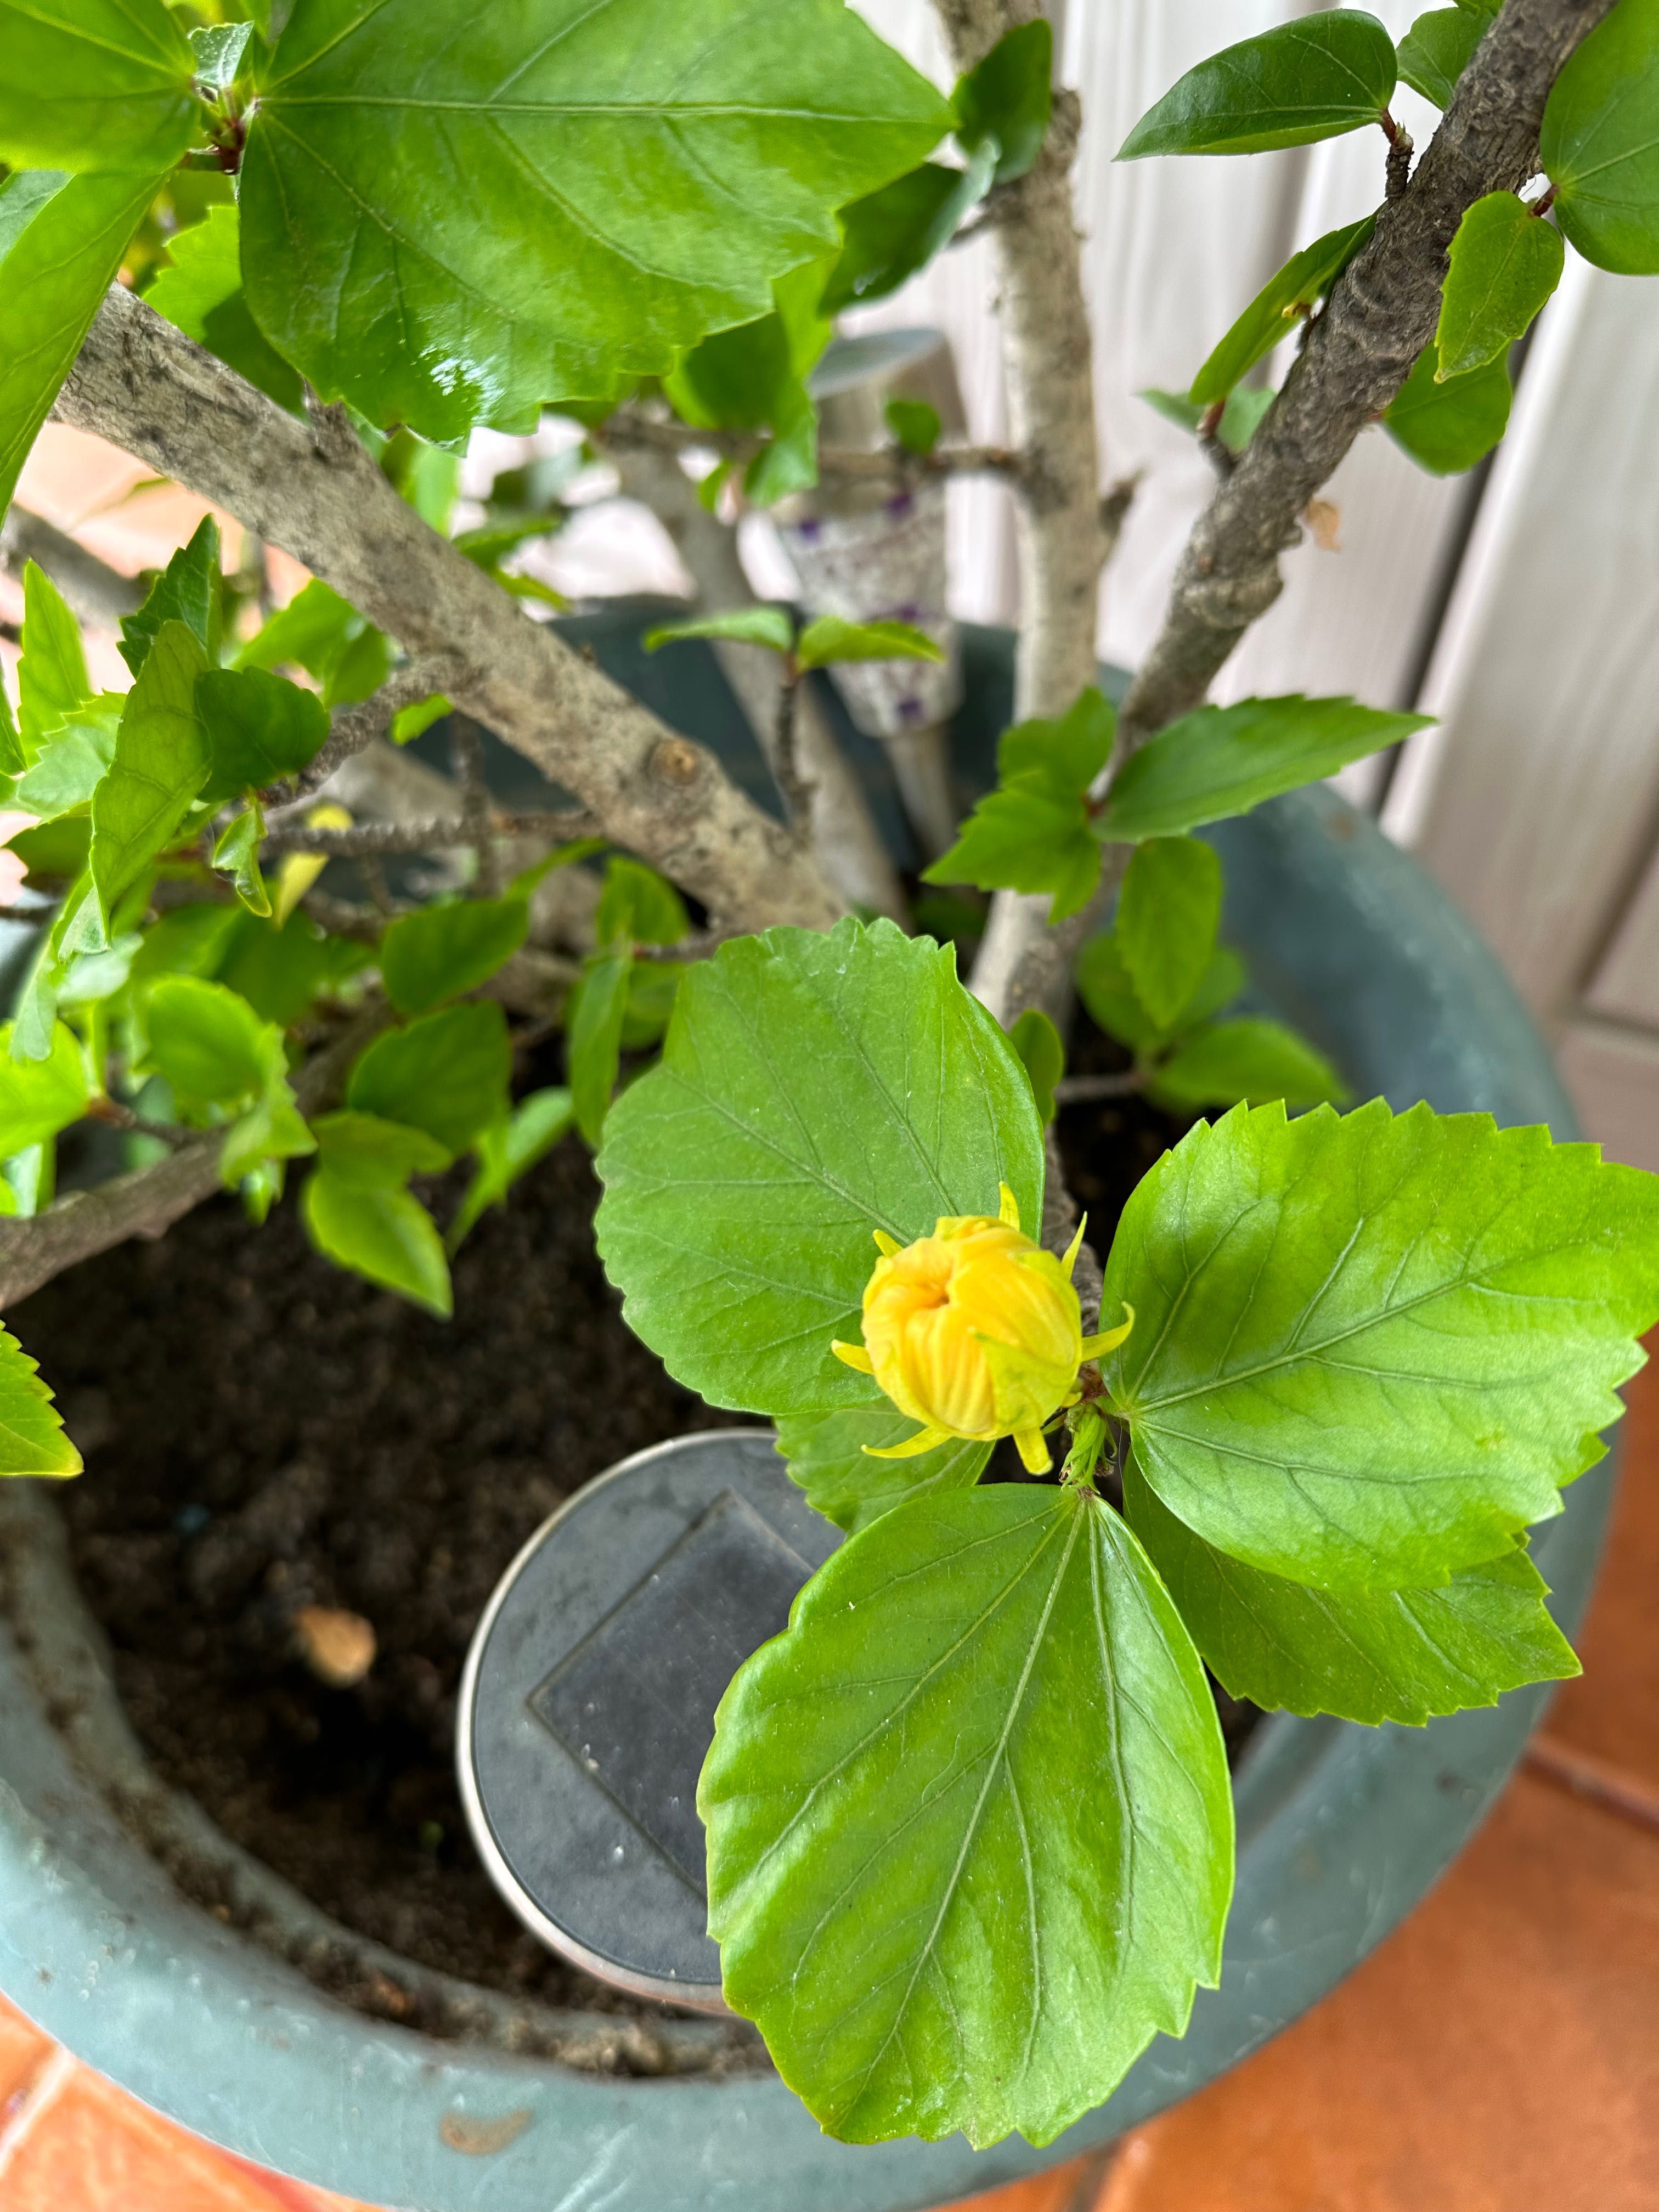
1340	1829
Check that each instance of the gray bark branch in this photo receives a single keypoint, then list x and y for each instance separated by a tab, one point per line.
144	385
1380	315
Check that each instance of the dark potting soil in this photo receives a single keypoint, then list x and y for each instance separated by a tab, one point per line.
264	1434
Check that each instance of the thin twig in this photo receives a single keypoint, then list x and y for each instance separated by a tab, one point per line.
120	1116
1078	1089
796	789
356	728
698	946
664	434
466	756
446	833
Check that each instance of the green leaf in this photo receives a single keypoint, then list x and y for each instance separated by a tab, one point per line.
409	722
445	1073
201	293
275	1129
889	235
970	1826
1438	49
11	745
439	951
73	760
39	1097
94	84
830	638
914	425
772	627
812	1089
827	1456
236	853
651	992
1600	142
427	477
280	970
1032	832
593	1028
1312	78
1505	262
1272	314
32	1438
444	230
1103	986
161	763
1168	912
754	377
319	632
1006	99
187	940
209	1043
639	904
52	684
76	932
1042	1055
260	728
217	51
1241	415
509	1149
382	1233
373	1154
270	18
1369	1655
1448	428
1369	1348
186	591
61	240
1220	760
1219	1064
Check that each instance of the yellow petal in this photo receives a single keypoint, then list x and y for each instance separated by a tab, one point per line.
1033	1452
854	1355
1073	1249
1110	1340
924	1440
885	1244
1009	1209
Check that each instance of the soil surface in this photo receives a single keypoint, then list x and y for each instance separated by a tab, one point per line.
264	1433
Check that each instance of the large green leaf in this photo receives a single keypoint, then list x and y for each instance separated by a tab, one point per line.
1438	49
51	679
1369	1655
186	591
39	1097
445	1073
1448	428
383	1233
1032	832
209	1043
812	1089
1600	142
161	763
1006	99
439	951
61	242
1369	1348
1304	80
1221	1062
444	228
259	727
1272	314
889	235
94	84
32	1438
1505	262
1221	761
969	1826
201	293
1167	913
594	1034
827	1456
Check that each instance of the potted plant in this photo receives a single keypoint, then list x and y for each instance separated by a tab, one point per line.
971	1832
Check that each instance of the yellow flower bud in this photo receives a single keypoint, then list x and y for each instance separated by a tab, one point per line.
975	1331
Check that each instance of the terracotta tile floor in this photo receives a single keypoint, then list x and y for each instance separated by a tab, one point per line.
1499	2053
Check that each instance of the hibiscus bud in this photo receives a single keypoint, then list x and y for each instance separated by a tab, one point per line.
975	1333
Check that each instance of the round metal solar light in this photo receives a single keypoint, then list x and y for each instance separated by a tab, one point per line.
587	1703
